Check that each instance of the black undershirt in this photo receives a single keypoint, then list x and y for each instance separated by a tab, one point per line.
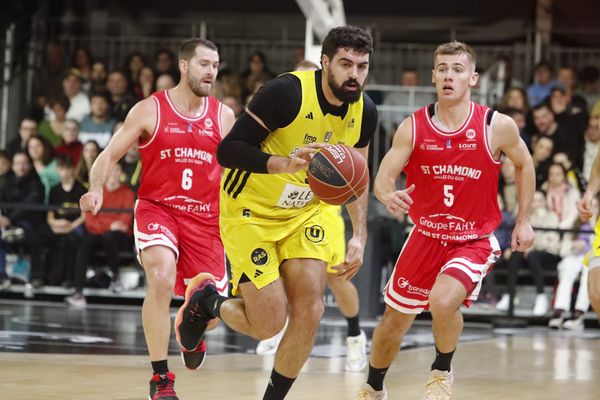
241	147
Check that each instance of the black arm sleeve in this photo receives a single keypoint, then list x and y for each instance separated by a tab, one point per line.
276	104
369	122
240	148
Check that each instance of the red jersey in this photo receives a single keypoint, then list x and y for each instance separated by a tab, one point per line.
455	177
179	163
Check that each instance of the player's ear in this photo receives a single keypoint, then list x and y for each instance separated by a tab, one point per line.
183	66
474	79
324	61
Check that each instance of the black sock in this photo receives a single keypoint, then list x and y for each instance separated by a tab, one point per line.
353	326
376	377
160	367
278	386
212	304
442	361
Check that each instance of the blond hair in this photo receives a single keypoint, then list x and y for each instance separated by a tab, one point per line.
454	48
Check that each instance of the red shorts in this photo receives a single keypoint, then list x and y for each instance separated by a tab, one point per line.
197	245
423	259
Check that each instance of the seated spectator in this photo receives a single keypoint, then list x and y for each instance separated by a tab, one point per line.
99	124
515	98
520	119
20	226
72	88
5	167
27	128
122	99
507	187
575	177
42	156
545	252
165	63
561	197
592	143
145	83
83	61
110	231
257	71
570	268
542	150
70	145
543	82
65	224
164	82
563	138
134	63
89	154
51	130
589	83
567	78
98	76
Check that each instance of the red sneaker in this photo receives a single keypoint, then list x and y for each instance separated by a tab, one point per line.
162	387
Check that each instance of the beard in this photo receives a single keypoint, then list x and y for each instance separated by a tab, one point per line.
197	88
343	94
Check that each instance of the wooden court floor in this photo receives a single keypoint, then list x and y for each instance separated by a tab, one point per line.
50	352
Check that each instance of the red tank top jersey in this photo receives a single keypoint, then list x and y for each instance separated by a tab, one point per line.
179	163
455	177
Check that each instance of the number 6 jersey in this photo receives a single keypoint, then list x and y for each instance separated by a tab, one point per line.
180	167
455	177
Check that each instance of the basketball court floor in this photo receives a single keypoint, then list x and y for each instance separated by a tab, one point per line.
50	351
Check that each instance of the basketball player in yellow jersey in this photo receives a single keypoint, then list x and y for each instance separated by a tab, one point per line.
344	291
271	224
593	257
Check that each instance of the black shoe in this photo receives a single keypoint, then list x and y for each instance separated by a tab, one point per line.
194	359
162	387
191	320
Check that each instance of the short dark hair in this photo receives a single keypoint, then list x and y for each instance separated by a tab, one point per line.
187	48
351	37
101	94
63	161
61	100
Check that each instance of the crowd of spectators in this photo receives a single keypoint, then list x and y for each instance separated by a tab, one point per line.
79	104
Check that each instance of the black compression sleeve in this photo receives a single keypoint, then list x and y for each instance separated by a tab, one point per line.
369	122
240	148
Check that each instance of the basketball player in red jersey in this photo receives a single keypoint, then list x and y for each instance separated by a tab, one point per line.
177	212
450	152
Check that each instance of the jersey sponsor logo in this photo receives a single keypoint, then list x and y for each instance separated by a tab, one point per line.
351	123
449	144
327	137
450	171
187	154
314	233
471	134
403	283
294	196
309	115
208	123
467	146
153	226
174	128
259	256
431	147
205	132
447	227
309	139
189	128
190	206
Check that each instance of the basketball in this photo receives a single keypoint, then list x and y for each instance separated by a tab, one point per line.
338	174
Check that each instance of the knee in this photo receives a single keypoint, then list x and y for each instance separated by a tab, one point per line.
441	306
309	311
393	324
161	278
270	329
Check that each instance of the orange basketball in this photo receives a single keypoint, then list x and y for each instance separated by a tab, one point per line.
338	174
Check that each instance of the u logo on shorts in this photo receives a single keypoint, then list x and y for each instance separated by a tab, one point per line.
314	233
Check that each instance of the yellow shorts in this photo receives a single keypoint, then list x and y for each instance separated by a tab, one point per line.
592	258
334	222
256	247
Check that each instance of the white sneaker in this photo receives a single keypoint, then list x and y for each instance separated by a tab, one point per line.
556	323
439	385
269	346
502	305
541	305
574	324
356	352
76	300
366	392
